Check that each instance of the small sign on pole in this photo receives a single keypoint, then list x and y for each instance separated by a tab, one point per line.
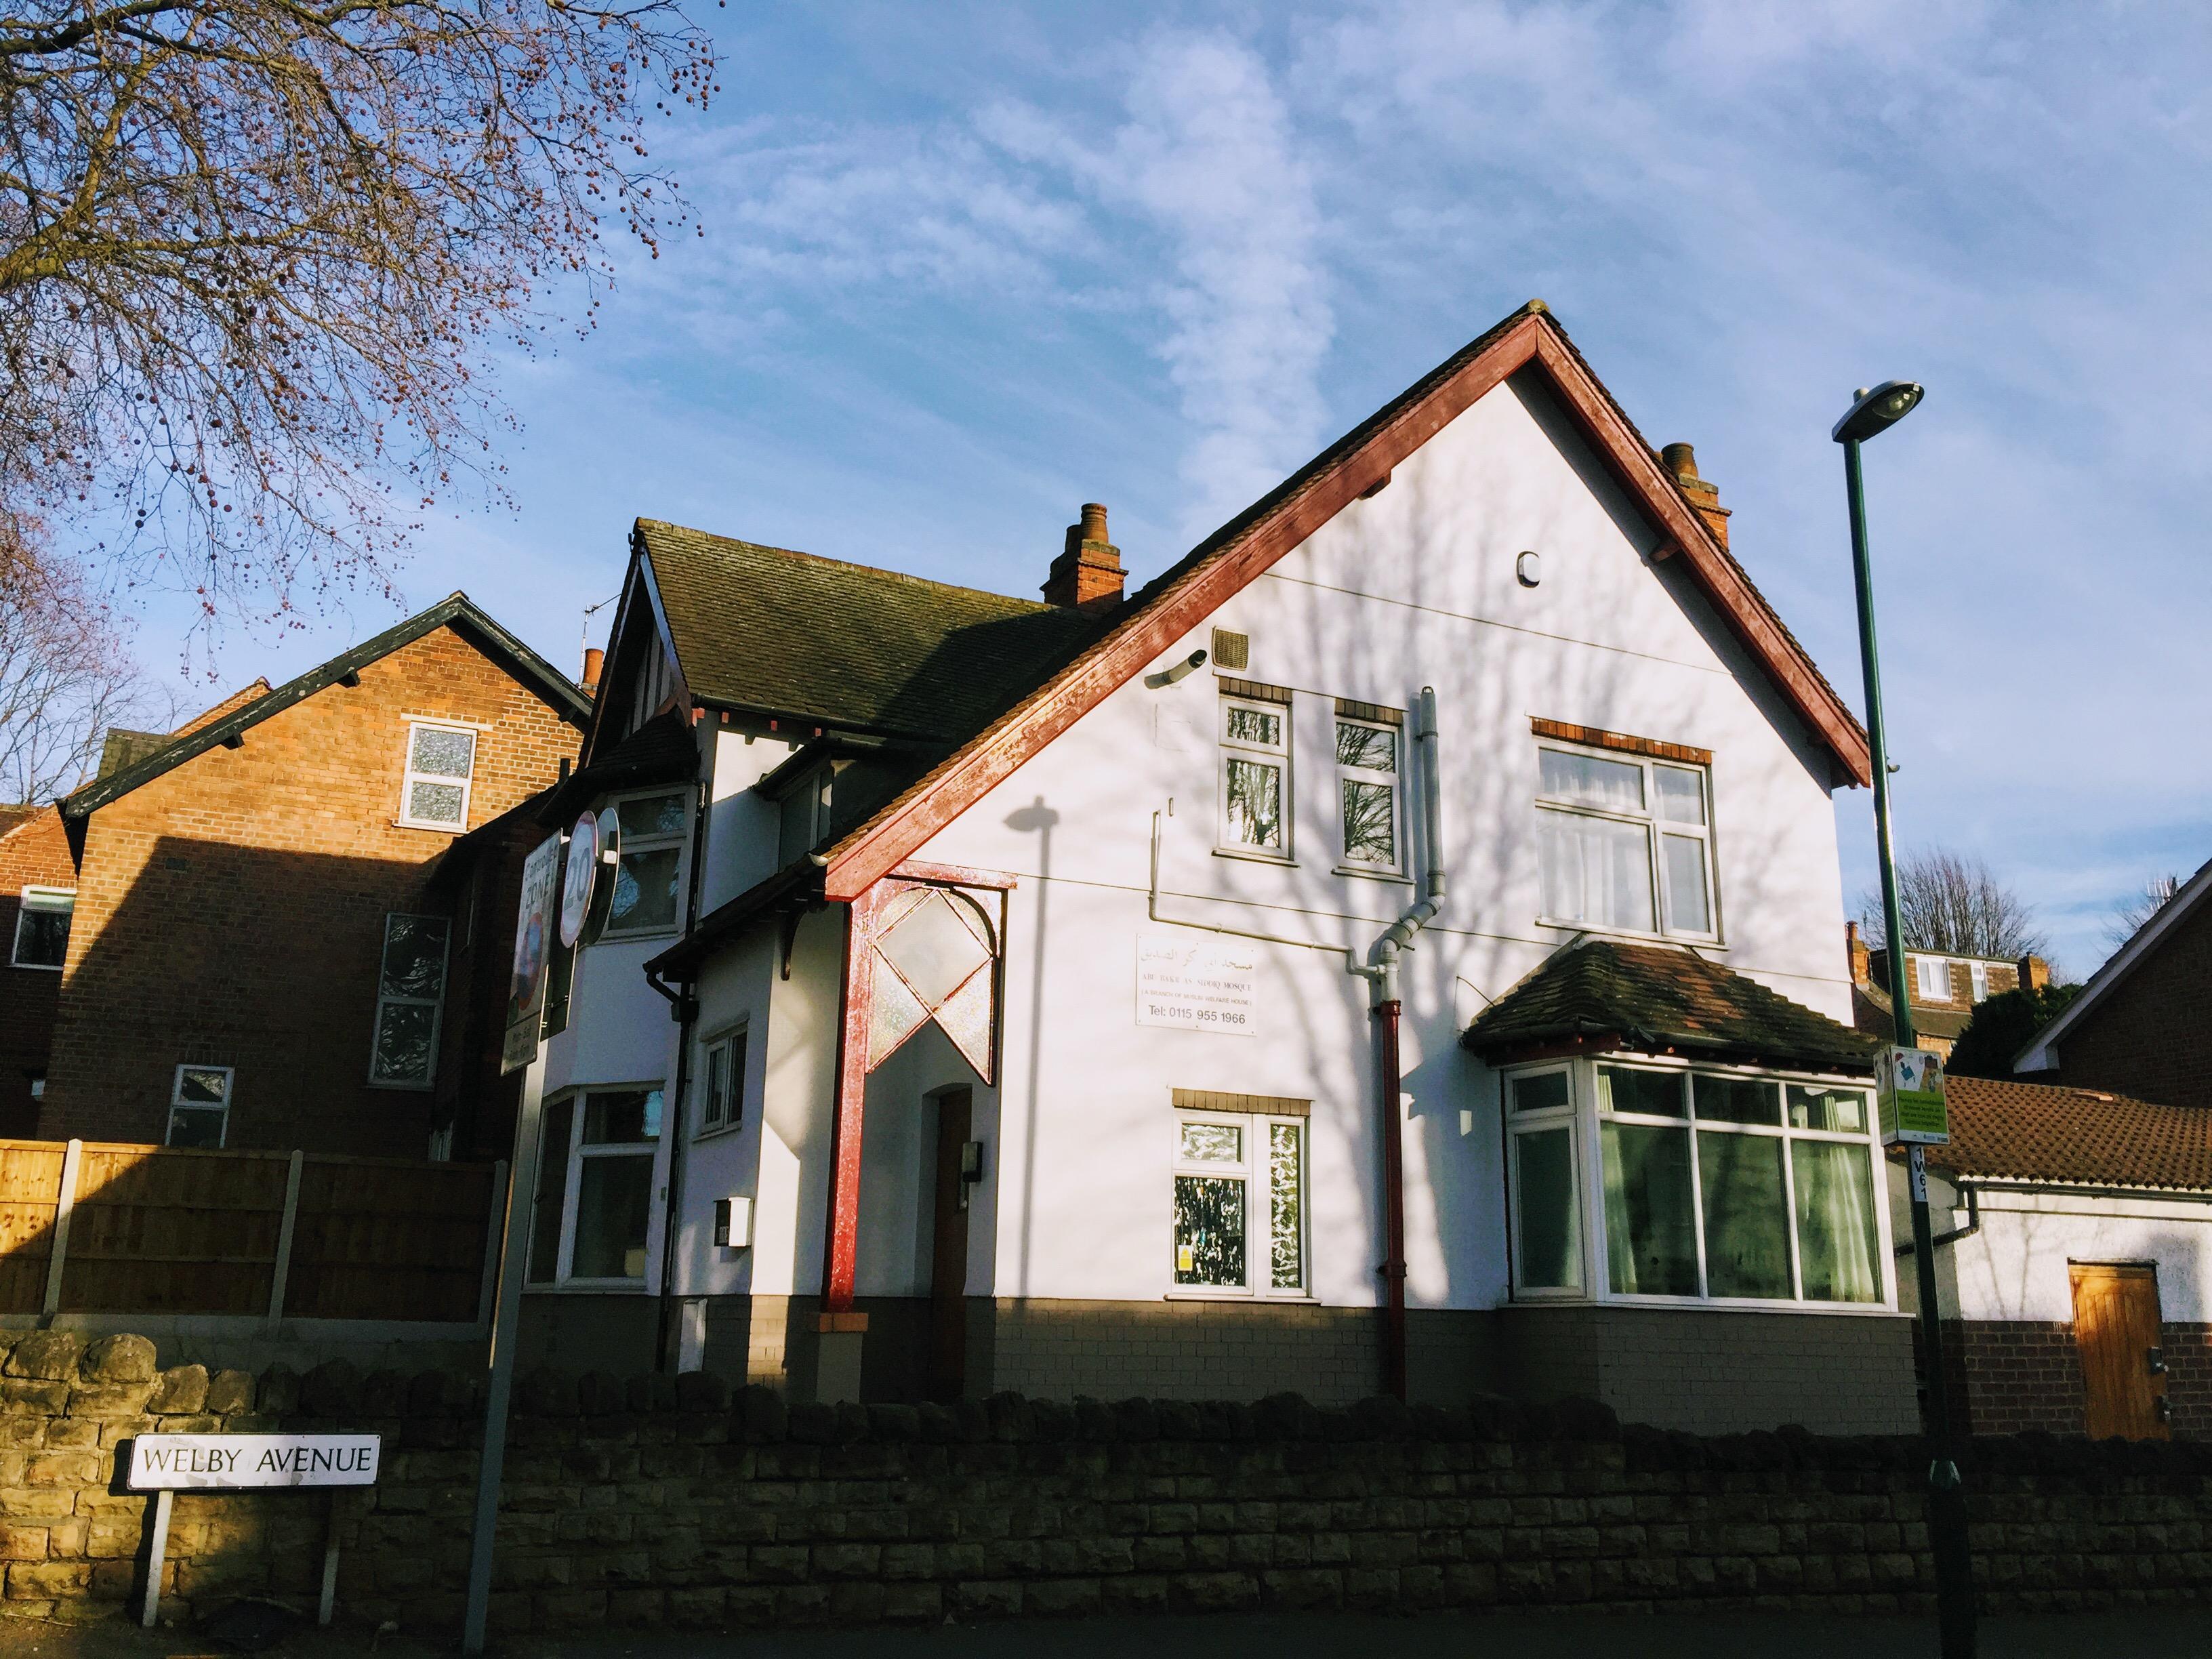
534	923
1909	1094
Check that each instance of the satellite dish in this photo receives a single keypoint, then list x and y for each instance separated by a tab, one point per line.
577	881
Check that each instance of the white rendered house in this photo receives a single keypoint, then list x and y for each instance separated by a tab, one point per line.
1398	948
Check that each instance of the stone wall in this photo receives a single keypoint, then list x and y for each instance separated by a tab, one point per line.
666	1500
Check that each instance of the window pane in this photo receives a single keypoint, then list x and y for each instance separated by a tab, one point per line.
552	1194
655	814
202	1085
1843	1110
1372	747
622	1119
1595	870
1256	725
1747	1236
441	753
41	937
1545	1162
1209	1230
612	1205
1211	1143
1681	795
1934	975
1255	803
1543	1091
1371	832
1836	1244
1285	1207
404	1032
192	1125
1650	1244
1656	1094
1737	1100
645	891
414	957
1687	909
1616	785
434	803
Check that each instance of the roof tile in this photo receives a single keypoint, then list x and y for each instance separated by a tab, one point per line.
2037	1132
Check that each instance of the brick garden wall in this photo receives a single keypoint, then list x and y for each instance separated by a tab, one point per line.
2016	1375
667	1501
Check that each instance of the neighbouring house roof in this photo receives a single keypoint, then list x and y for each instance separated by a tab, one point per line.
11	816
1601	994
1871	1013
2004	1130
246	711
2039	1055
773	632
1529	339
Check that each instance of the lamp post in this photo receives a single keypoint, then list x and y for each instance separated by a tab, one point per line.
1872	413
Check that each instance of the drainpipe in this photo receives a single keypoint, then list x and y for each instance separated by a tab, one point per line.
685	1009
1381	972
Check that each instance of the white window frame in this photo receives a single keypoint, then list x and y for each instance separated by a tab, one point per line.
1393	781
409	777
729	1050
1278	755
41	901
1588	1112
574	1157
1655	829
436	1004
177	1104
1979	976
1518	1123
1253	1171
678	838
1926	969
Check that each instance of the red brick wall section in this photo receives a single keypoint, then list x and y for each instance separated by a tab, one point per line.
231	911
2016	1375
2147	1035
34	853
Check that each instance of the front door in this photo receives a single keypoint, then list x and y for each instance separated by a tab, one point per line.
948	1256
2116	1326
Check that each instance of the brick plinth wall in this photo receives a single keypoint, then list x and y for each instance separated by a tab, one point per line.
664	1500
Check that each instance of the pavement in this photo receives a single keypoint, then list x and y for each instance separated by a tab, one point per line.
2171	1635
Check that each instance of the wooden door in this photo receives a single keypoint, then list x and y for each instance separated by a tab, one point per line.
2116	1326
948	1255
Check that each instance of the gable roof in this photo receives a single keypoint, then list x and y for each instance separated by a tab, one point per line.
2039	1055
768	631
1601	994
204	733
2077	1137
1240	551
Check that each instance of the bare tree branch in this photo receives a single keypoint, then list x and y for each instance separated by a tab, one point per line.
2130	914
1952	902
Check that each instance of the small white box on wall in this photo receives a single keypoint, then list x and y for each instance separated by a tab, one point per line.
733	1222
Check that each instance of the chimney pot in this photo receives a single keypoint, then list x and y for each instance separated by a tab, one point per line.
1087	576
595	662
1681	460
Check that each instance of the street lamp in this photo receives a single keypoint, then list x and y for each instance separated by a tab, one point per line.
1872	413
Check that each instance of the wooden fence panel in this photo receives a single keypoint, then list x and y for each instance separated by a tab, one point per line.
162	1229
389	1240
30	1193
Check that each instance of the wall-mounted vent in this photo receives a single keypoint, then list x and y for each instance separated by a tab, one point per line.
1232	651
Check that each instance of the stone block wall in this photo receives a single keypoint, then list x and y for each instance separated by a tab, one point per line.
665	1500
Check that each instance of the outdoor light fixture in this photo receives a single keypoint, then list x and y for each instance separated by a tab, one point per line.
1877	411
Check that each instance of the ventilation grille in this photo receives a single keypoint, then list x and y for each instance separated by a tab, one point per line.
1232	650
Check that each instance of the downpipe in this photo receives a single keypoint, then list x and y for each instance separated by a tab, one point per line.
1380	970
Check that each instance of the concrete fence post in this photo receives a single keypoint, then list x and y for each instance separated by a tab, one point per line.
282	1269
65	1206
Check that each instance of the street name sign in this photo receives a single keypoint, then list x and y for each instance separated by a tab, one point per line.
182	1462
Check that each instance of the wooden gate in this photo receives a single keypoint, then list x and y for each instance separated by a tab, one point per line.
2116	1329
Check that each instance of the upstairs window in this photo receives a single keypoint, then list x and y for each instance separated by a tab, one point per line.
1255	776
199	1105
441	761
1625	843
42	928
722	1083
1932	977
1368	755
1979	971
410	988
653	833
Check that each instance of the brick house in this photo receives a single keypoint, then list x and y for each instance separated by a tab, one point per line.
37	889
2075	1273
2139	1027
1944	987
264	924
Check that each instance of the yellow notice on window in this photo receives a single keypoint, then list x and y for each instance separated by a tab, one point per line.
1908	1091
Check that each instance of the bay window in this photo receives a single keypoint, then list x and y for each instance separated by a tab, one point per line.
1624	842
1705	1185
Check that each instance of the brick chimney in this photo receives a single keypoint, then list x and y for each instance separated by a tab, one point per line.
2034	973
1681	460
1087	575
595	662
1861	962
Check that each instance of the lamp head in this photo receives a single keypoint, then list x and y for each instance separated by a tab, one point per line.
1877	411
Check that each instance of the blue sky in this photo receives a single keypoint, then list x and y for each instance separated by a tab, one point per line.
967	267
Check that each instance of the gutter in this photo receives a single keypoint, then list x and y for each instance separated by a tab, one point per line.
1973	1221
